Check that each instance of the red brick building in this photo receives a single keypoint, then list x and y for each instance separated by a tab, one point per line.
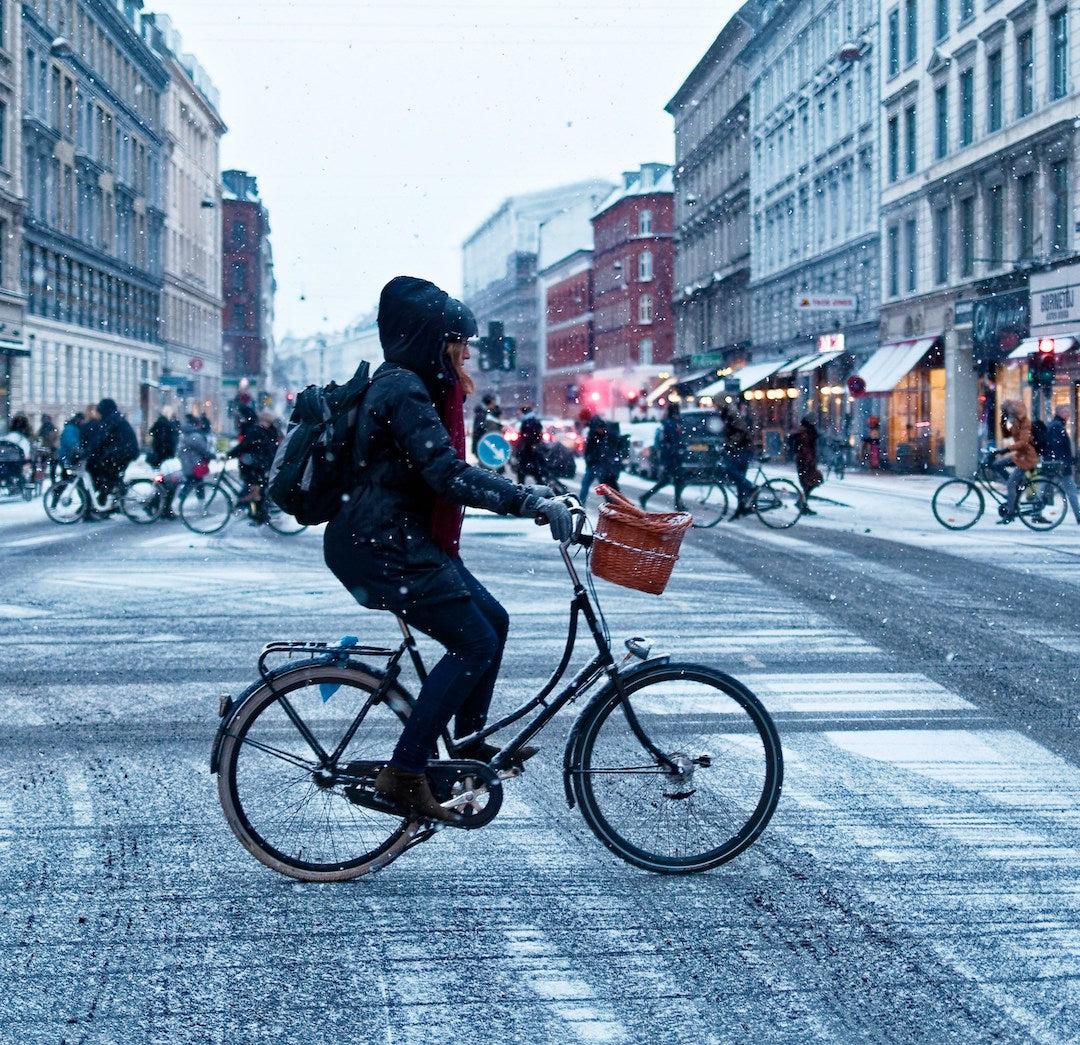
567	335
633	256
247	289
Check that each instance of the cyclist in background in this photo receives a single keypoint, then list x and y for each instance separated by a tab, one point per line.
1059	463
255	451
1016	425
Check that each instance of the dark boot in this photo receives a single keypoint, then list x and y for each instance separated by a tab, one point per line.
412	792
481	751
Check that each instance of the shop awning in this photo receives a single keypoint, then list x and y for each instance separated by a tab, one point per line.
1029	346
805	364
752	376
691	384
661	389
13	348
892	361
788	368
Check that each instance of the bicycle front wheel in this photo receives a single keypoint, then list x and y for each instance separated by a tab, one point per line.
204	508
143	501
281	522
712	794
66	502
1042	504
778	503
958	504
707	503
285	798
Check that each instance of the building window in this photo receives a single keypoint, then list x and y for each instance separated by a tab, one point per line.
967	236
894	148
995	228
239	234
1025	75
967	106
645	266
911	31
239	317
911	242
644	223
1059	54
910	152
3	135
941	22
941	245
645	351
644	309
941	121
967	11
993	91
894	41
1025	215
893	260
239	275
1058	199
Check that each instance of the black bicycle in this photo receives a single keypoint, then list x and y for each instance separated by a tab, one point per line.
676	767
206	505
958	504
778	503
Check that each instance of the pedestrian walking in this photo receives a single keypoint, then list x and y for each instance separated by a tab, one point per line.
18	434
670	454
70	437
802	443
1059	462
530	448
595	454
480	416
48	439
735	457
870	448
395	544
164	437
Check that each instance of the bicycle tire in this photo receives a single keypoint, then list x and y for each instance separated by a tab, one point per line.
281	522
719	805
707	503
1042	505
143	501
66	502
205	509
294	823
778	503
958	504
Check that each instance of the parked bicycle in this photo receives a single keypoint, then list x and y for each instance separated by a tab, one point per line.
958	504
676	767
834	457
778	503
206	505
73	497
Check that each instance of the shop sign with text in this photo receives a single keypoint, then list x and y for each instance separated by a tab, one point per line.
826	302
1055	302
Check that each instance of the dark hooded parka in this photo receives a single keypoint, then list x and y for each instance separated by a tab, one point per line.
380	544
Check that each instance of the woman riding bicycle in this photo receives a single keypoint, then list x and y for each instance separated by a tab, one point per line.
395	542
1016	424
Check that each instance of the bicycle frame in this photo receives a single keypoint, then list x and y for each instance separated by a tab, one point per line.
602	663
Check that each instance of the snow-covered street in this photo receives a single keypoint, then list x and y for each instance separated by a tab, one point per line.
920	880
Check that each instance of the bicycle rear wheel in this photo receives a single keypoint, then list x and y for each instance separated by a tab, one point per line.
289	808
205	508
143	500
778	503
707	503
1042	504
281	522
728	770
958	504
66	502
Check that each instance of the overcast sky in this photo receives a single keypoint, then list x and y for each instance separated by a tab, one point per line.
383	133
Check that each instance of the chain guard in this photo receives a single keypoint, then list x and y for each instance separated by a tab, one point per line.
476	786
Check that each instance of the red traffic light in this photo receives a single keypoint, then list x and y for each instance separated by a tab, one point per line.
1047	346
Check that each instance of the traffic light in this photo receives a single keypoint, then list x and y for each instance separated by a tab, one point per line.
1041	370
509	353
497	353
483	351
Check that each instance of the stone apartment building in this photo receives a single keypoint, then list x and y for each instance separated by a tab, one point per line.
979	132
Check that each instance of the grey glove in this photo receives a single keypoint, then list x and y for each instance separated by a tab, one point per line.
556	514
542	492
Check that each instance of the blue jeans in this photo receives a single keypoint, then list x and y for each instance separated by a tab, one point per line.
734	464
473	630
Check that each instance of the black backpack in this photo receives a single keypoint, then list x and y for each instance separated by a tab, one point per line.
313	469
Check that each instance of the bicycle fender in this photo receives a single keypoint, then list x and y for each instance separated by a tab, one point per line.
230	706
570	757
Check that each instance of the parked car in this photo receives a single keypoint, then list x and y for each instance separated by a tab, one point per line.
703	442
641	460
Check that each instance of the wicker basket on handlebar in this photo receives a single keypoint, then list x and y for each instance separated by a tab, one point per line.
635	548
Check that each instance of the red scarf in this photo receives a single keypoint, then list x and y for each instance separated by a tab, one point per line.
447	516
